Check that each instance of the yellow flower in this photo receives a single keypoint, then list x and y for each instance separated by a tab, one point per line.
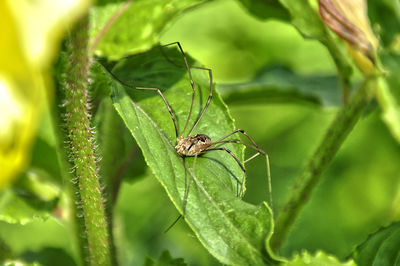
30	35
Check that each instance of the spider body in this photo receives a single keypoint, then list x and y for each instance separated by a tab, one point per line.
193	145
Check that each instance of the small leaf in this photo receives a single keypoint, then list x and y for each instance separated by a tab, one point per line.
33	196
232	230
165	260
266	9
381	248
281	84
14	209
320	258
37	235
138	28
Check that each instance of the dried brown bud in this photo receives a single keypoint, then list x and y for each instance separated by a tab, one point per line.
348	19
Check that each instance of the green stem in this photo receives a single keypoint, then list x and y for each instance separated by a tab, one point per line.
303	186
342	65
77	225
82	152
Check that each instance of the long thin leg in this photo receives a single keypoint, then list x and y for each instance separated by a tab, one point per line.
259	151
234	132
172	225
238	162
166	104
208	100
185	198
186	195
254	144
193	88
151	89
191	82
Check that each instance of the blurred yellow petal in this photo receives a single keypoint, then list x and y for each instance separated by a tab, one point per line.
349	20
30	35
42	24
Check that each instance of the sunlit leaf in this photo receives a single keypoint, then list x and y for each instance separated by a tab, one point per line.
320	258
33	196
139	26
14	209
38	235
233	231
381	248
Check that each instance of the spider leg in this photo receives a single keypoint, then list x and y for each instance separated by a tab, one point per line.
166	104
185	198
150	89
259	151
172	224
242	132
193	87
187	187
238	162
208	100
190	77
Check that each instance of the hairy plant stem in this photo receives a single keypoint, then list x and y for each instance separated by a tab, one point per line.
337	132
82	157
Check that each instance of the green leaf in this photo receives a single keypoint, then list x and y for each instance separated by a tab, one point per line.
49	256
320	258
381	248
139	26
233	231
305	18
265	9
165	260
33	196
279	84
37	237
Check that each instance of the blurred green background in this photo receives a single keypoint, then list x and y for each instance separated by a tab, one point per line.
359	190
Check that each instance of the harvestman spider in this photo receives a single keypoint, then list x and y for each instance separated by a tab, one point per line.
194	146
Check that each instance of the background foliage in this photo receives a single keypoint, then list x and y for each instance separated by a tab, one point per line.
282	88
